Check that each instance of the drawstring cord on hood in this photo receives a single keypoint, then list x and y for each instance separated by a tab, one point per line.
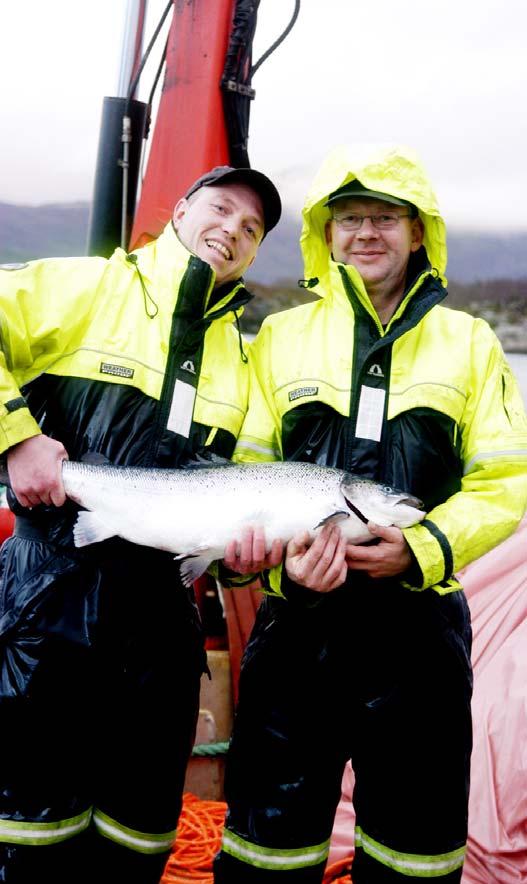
148	297
146	294
240	339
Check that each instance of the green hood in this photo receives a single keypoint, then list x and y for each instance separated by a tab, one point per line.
395	170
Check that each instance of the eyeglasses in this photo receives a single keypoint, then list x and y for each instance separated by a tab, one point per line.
383	221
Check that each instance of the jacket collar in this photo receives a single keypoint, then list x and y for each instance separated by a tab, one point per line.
163	262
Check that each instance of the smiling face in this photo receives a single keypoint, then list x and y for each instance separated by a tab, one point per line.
380	256
223	226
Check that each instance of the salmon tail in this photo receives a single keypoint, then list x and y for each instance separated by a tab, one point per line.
194	565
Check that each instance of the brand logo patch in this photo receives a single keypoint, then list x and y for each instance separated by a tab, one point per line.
188	365
301	392
376	370
119	371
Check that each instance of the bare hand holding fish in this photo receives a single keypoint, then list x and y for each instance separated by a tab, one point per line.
387	558
35	471
319	565
249	555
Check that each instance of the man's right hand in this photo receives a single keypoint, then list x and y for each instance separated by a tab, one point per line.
35	471
319	564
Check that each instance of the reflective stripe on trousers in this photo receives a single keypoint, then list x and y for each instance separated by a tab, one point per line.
410	864
142	842
273	858
29	833
23	832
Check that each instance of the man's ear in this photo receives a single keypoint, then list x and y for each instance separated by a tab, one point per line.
327	231
180	210
418	232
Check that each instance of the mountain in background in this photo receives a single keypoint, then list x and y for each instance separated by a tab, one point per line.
60	229
50	230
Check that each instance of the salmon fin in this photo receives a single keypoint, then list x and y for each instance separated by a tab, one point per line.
206	460
95	459
194	565
90	529
337	516
193	553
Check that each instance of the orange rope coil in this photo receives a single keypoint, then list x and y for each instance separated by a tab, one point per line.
198	840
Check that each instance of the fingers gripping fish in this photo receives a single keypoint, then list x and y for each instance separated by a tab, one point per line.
194	513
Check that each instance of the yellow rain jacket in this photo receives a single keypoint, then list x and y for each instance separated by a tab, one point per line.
451	424
138	355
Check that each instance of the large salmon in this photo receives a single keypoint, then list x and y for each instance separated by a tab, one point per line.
195	512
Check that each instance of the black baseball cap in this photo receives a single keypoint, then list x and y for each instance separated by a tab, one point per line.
257	181
356	189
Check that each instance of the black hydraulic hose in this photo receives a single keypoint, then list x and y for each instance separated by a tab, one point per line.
157	77
148	119
135	81
126	137
277	42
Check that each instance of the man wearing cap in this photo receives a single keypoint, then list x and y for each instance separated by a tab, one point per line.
136	360
363	652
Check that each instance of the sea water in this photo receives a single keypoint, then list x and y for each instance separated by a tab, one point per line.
518	363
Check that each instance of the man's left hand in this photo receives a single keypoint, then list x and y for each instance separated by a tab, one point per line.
387	558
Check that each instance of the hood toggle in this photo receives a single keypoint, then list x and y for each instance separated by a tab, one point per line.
308	283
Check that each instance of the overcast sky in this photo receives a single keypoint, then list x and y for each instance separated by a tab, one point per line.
447	77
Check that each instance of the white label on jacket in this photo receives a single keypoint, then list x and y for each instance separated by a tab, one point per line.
370	414
182	409
302	391
120	371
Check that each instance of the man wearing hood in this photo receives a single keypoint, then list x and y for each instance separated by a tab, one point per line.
363	652
136	359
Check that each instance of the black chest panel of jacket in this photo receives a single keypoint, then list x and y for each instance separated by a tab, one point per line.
419	450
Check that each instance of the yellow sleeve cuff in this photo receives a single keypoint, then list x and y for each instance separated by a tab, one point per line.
15	427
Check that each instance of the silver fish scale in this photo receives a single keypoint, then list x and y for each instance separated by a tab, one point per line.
272	474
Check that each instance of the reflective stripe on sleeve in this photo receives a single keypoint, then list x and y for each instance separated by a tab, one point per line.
273	857
268	453
520	453
142	842
24	832
413	865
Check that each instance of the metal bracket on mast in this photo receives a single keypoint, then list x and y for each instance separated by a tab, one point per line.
240	88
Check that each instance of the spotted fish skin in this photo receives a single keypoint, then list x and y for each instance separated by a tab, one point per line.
194	513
